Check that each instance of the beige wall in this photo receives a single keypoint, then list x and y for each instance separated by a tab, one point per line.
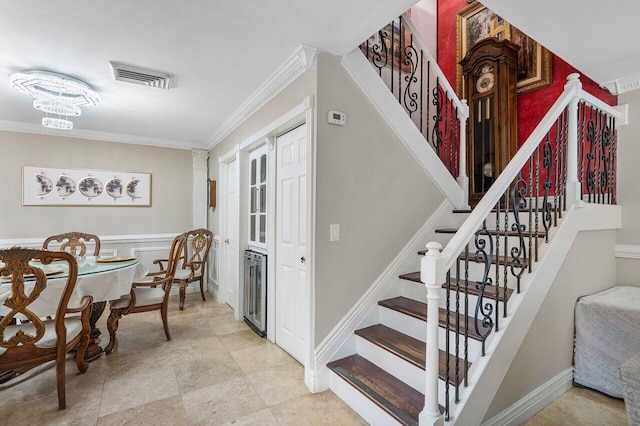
287	99
367	182
628	187
171	171
548	348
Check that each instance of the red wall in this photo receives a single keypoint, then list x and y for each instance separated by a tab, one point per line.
532	105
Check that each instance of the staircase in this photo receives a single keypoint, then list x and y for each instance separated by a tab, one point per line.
389	366
422	365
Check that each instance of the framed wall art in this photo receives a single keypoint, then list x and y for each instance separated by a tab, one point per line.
476	22
48	186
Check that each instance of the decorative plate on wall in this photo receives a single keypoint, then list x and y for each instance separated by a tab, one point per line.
90	187
132	188
66	186
45	186
114	188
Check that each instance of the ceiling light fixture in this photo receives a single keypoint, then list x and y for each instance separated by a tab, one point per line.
56	94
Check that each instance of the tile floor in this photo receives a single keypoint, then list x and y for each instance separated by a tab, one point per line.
582	407
215	371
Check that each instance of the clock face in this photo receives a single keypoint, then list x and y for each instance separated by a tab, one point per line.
485	83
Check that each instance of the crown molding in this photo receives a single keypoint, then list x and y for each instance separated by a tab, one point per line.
622	85
20	127
302	60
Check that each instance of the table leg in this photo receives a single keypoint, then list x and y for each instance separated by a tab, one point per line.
94	351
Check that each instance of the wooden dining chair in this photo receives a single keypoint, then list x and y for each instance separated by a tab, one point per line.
74	243
30	342
148	295
194	261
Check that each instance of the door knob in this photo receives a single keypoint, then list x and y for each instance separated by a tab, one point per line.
226	241
302	259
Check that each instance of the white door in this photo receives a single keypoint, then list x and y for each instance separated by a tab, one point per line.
231	239
291	248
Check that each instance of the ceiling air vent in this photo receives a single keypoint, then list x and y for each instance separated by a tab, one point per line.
137	75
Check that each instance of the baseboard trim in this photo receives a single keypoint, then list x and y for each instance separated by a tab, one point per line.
330	346
532	403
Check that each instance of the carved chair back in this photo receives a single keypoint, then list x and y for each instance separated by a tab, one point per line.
74	242
175	254
196	249
16	267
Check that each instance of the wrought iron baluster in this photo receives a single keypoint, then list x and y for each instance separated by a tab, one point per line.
606	143
565	127
380	50
546	205
400	59
591	138
421	89
427	134
518	253
581	147
436	137
530	228
556	169
537	197
497	279
483	321
447	345
506	249
466	315
410	96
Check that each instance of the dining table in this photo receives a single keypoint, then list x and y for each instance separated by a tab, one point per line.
104	278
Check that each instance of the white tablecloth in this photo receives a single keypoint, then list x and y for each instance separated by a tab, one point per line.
103	281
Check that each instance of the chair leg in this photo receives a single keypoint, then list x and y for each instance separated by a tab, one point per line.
60	377
83	344
183	291
202	287
165	321
112	326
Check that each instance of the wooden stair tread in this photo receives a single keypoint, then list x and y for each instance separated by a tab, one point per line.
418	310
493	210
500	260
411	350
489	290
525	234
397	398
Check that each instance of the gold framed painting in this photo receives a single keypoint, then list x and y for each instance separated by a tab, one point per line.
476	22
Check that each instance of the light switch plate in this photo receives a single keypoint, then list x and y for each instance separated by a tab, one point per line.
334	232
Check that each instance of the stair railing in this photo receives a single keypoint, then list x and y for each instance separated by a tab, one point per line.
568	159
404	63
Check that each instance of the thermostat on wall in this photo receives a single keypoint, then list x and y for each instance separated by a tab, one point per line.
337	117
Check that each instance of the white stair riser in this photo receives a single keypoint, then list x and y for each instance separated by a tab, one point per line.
401	369
359	403
418	330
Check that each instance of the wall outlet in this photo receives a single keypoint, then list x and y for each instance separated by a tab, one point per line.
334	232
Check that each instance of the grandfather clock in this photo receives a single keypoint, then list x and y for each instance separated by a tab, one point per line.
489	73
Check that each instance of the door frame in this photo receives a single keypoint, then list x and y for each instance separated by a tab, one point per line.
300	114
223	286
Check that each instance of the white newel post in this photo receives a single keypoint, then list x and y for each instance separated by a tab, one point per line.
200	184
433	278
463	179
574	187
